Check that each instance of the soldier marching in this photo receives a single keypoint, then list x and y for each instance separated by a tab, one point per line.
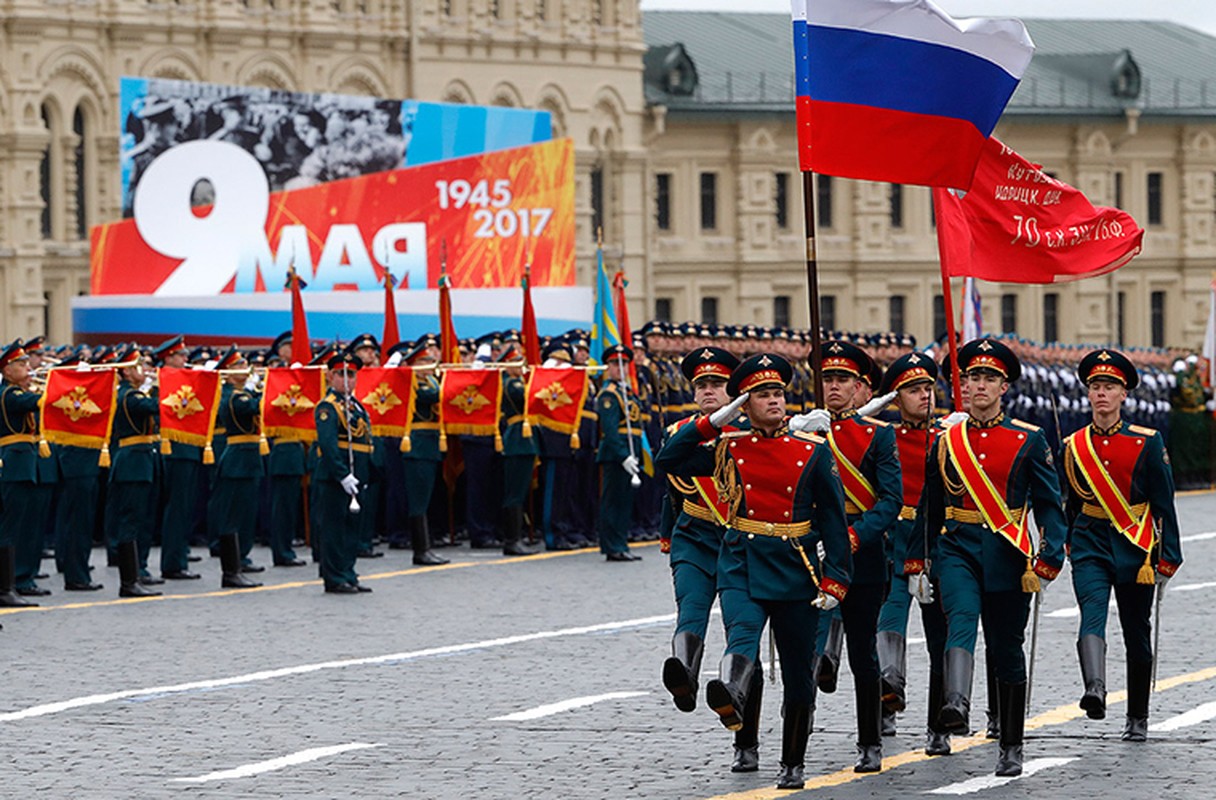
932	507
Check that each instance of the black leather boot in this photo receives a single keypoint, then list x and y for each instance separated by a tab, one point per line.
956	706
869	726
937	739
795	730
994	699
8	580
829	659
512	538
727	694
747	738
1013	722
681	670
420	540
892	661
1139	686
128	573
1091	650
230	563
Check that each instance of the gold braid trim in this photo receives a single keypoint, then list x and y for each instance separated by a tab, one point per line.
956	488
726	479
1070	469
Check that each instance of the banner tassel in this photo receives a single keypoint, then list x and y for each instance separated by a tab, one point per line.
443	441
166	447
575	444
103	460
497	441
44	448
208	454
527	429
406	444
263	445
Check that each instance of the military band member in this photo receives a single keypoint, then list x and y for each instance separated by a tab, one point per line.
422	461
912	378
133	472
77	511
233	506
182	465
784	499
868	462
619	454
982	477
691	531
27	480
1123	535
345	444
518	452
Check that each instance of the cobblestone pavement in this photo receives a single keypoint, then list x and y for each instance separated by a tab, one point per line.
396	693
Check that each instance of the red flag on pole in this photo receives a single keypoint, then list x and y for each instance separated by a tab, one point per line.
392	334
301	353
448	343
528	326
622	321
1019	225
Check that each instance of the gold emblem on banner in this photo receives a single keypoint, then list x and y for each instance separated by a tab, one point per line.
76	404
470	400
382	399
554	396
183	403
293	401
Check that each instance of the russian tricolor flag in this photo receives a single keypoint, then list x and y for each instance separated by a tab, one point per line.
898	91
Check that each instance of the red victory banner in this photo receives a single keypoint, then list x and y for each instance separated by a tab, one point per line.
77	408
1018	224
387	393
470	403
189	402
288	401
555	399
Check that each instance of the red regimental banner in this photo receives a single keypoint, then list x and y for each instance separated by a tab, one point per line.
288	402
470	400
189	402
555	398
387	393
77	407
1018	224
492	210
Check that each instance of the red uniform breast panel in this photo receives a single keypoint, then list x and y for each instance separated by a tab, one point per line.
769	470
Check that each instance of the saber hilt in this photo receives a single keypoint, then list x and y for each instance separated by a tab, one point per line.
635	480
350	437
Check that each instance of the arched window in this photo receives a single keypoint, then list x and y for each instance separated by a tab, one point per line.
82	221
44	177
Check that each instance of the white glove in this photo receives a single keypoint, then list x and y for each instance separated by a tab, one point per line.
350	485
877	404
727	412
393	360
296	365
148	383
82	367
815	421
1162	579
251	383
825	602
953	418
211	364
920	587
630	465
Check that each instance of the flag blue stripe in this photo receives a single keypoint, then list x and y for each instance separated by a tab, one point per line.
869	69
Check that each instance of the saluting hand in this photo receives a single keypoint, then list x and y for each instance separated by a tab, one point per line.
727	412
877	404
815	421
953	418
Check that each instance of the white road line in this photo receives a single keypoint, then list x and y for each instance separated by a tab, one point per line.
1195	716
565	705
302	757
1064	613
1199	537
974	785
303	669
1190	587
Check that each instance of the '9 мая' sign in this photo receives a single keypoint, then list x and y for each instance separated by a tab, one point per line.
493	212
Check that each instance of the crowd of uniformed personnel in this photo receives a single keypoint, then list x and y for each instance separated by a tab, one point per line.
822	522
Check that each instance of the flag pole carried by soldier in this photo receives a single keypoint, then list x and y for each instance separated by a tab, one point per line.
1123	534
784	497
693	524
981	480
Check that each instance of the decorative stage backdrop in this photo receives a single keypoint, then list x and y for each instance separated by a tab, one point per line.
229	188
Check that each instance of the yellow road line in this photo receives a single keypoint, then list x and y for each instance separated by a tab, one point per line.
1056	716
301	584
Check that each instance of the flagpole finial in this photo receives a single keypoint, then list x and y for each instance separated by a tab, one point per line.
443	255
599	236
